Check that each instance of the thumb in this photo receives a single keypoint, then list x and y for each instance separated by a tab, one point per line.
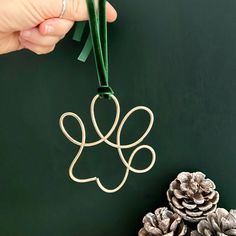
75	10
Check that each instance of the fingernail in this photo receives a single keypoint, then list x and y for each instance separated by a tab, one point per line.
49	29
25	34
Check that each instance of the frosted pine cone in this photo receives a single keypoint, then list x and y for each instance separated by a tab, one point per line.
163	222
192	196
219	223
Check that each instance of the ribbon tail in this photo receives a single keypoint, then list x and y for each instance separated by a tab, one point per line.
86	49
79	29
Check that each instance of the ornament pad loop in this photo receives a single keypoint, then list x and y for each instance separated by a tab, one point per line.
104	138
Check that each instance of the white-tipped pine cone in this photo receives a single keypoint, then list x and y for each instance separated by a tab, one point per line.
192	196
163	222
219	223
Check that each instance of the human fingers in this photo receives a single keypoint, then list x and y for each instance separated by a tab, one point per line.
36	48
75	10
36	42
48	32
33	36
55	27
43	38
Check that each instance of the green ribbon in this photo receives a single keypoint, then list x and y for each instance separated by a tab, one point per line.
97	40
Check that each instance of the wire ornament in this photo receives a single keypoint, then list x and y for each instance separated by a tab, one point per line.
105	138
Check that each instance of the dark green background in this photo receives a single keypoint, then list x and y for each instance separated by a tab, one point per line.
178	58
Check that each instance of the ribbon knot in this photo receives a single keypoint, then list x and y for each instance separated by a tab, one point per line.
105	91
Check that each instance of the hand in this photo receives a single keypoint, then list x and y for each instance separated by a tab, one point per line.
35	24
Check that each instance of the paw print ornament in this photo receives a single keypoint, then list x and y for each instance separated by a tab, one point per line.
104	138
97	40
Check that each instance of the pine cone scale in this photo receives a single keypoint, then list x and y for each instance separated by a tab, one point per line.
206	206
215	199
170	234
213	209
143	232
164	225
198	198
178	194
233	213
230	232
176	203
194	213
183	230
189	206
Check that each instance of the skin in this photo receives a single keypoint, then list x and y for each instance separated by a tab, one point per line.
35	24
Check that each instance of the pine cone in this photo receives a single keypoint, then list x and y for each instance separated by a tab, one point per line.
219	223
192	196
163	222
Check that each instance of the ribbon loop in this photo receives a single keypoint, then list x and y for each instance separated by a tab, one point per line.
98	39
